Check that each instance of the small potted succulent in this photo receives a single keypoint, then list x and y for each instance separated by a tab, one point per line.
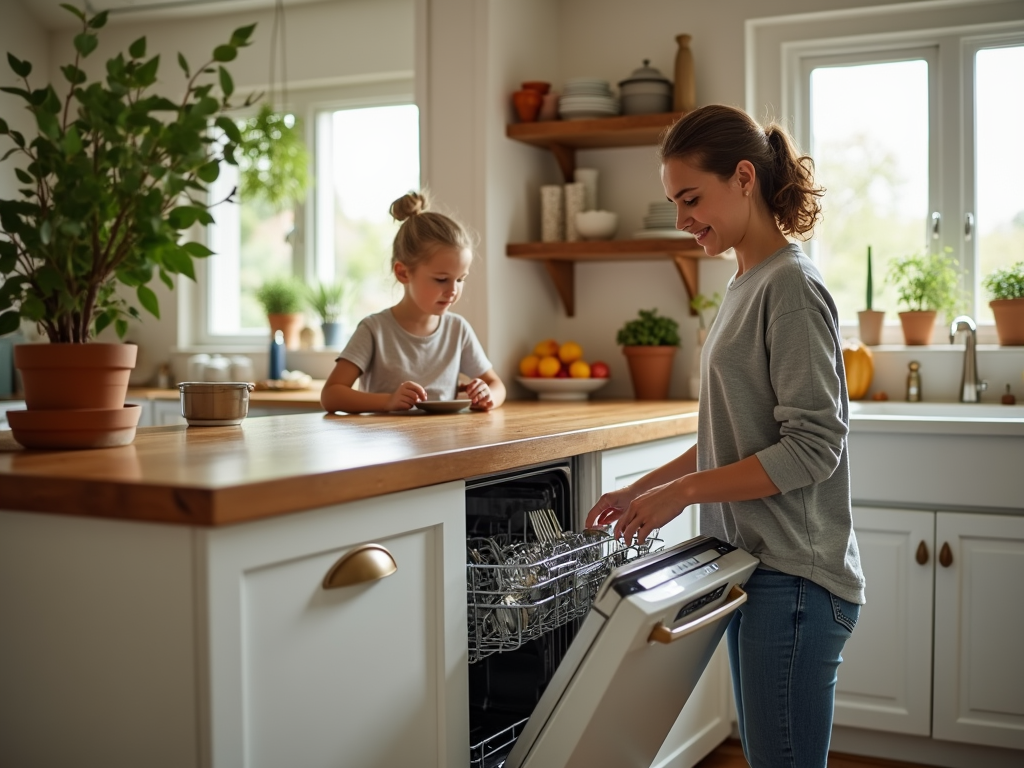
926	284
869	319
649	343
1006	286
328	301
283	299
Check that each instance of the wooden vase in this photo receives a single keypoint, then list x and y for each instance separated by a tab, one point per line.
918	327
1009	315
650	368
684	91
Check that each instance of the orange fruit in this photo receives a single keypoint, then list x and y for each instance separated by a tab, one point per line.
548	367
570	352
579	370
528	365
548	347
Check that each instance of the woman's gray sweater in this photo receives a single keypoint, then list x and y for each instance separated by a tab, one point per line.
773	385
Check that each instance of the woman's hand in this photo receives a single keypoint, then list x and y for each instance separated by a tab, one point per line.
478	391
406	396
649	511
610	507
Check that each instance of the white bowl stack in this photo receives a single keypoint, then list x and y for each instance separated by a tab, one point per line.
660	222
585	98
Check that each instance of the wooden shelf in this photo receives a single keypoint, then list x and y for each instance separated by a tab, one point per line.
559	259
564	137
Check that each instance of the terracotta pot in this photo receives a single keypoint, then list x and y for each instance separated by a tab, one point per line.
918	327
81	428
68	376
290	325
651	370
871	321
527	103
1009	315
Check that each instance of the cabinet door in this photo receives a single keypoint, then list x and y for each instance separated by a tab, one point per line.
885	678
706	718
979	630
372	675
167	413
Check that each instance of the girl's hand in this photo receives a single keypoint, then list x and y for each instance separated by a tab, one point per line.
649	511
478	391
406	396
610	507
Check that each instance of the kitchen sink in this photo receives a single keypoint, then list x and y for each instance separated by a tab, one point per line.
944	411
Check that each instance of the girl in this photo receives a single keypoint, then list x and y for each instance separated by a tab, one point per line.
770	469
416	350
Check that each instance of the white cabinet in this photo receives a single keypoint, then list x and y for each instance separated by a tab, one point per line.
167	413
979	630
968	566
706	720
145	644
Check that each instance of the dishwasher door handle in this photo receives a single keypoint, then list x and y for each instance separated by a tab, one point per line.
662	634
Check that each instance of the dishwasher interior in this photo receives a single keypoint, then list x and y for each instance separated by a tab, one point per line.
530	582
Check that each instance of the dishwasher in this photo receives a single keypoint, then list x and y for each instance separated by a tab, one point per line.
583	649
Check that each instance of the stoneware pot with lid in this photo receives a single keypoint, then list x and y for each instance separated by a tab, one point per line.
646	91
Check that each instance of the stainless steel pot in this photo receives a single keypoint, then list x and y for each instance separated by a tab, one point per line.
219	404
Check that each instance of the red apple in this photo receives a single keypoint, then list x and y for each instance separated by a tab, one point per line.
599	370
562	374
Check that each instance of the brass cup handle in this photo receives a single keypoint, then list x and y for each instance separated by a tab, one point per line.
945	555
662	634
366	563
922	553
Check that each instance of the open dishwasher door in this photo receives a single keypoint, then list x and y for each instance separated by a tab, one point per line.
635	660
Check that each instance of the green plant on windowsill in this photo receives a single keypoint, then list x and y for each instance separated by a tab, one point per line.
282	296
328	300
926	282
1006	283
1006	286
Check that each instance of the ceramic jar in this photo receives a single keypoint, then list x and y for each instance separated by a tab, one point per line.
645	91
527	103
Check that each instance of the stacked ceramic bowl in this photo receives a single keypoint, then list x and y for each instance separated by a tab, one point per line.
585	98
660	222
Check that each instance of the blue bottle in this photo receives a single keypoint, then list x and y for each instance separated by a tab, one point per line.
277	356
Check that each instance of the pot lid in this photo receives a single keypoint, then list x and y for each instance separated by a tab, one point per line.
646	73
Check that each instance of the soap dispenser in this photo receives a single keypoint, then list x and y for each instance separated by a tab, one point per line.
914	382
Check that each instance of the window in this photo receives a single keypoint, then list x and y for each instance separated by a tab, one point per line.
365	153
910	116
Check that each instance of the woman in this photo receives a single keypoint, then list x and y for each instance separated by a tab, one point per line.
770	469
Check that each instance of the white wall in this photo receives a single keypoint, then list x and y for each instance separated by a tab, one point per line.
329	42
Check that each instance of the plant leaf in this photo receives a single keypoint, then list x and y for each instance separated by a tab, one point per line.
23	177
102	321
227	85
166	279
149	301
21	68
73	74
74	10
198	250
85	43
241	35
184	65
229	127
225	53
121	327
209	172
72	142
99	20
48	124
146	74
3	126
138	49
9	322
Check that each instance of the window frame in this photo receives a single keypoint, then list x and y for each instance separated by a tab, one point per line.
310	102
782	50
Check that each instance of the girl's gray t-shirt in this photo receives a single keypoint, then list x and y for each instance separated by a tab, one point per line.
773	385
388	355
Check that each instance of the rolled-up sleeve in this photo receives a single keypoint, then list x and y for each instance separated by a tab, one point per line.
806	371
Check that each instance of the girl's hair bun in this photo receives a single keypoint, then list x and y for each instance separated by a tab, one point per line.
408	205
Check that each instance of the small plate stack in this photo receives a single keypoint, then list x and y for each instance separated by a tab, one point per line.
660	222
585	98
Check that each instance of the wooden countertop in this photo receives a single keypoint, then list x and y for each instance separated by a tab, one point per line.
278	464
262	398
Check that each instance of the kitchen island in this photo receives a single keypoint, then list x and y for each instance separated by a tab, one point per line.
164	604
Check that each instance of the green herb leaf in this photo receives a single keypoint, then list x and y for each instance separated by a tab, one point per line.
138	48
121	327
85	43
184	65
198	250
74	10
99	20
227	85
225	53
9	322
240	36
148	300
21	68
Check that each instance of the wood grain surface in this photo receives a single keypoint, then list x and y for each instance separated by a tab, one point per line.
262	398
279	464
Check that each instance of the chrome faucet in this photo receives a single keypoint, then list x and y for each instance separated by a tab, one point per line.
970	386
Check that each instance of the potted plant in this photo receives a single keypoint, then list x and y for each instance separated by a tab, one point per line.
273	162
926	285
328	301
113	176
283	299
1007	289
870	320
701	304
649	343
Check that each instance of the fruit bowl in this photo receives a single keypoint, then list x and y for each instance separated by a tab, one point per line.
561	389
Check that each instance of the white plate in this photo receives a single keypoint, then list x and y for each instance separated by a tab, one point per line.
561	389
657	234
443	406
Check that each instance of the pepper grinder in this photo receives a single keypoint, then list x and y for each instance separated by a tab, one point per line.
914	382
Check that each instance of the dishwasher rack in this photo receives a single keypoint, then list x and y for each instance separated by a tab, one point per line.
519	589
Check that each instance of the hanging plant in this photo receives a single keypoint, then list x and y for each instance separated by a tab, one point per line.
273	161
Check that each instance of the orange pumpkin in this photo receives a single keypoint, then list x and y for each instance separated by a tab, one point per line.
860	367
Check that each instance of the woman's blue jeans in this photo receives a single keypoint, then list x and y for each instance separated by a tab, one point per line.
784	650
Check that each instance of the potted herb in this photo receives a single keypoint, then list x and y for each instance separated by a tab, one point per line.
113	176
328	301
1007	289
926	284
649	343
283	299
869	319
